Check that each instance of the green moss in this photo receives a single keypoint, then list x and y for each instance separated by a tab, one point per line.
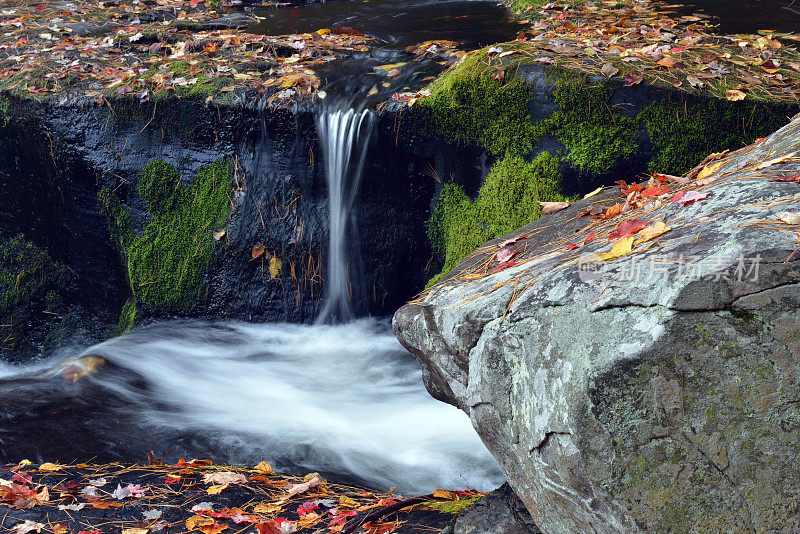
5	110
467	106
119	219
594	134
686	130
507	200
33	290
167	262
128	317
453	507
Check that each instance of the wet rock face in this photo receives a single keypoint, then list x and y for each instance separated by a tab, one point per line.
56	157
659	402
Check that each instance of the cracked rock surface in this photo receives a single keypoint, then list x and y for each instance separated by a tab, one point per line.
656	392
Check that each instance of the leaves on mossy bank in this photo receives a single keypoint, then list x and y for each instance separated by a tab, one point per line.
147	499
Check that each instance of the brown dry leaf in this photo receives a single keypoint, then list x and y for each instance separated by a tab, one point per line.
667	62
275	265
258	251
608	70
734	95
613	211
27	526
652	232
216	489
444	494
623	246
135	530
219	234
552	207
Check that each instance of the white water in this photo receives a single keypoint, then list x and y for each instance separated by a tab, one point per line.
344	399
343	135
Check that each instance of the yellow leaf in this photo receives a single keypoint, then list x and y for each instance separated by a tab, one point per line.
347	502
652	232
264	467
135	530
24	463
708	170
275	265
197	521
216	489
552	207
268	508
49	467
623	246
774	161
390	66
593	193
324	31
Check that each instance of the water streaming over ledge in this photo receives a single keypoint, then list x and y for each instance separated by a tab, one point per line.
344	134
345	400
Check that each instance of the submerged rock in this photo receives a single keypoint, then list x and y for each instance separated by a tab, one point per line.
656	391
500	512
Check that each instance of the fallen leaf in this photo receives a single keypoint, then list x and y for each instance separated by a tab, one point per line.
27	526
689	197
77	507
627	228
652	232
774	161
789	217
216	489
50	467
275	265
608	70
268	508
708	170
667	62
655	191
264	467
632	79
504	265
588	239
296	489
593	193
505	254
224	477
443	494
347	502
513	240
135	530
198	521
623	246
552	207
734	95
219	234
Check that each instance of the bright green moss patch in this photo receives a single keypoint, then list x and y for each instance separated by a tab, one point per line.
167	262
454	507
128	317
594	134
688	129
33	290
507	200
468	106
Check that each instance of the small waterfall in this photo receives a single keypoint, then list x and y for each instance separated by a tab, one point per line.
344	134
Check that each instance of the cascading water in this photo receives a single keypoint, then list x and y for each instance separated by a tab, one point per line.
344	134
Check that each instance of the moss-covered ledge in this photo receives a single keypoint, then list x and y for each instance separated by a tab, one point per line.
168	260
594	131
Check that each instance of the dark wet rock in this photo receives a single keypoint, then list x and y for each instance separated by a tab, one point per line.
500	512
663	401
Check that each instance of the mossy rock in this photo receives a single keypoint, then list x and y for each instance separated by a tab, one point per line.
509	198
35	295
168	261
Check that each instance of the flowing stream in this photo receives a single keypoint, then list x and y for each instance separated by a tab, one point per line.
345	400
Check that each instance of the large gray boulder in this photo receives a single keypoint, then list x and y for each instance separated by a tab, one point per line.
660	400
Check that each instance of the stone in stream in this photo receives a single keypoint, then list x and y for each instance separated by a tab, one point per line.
657	400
